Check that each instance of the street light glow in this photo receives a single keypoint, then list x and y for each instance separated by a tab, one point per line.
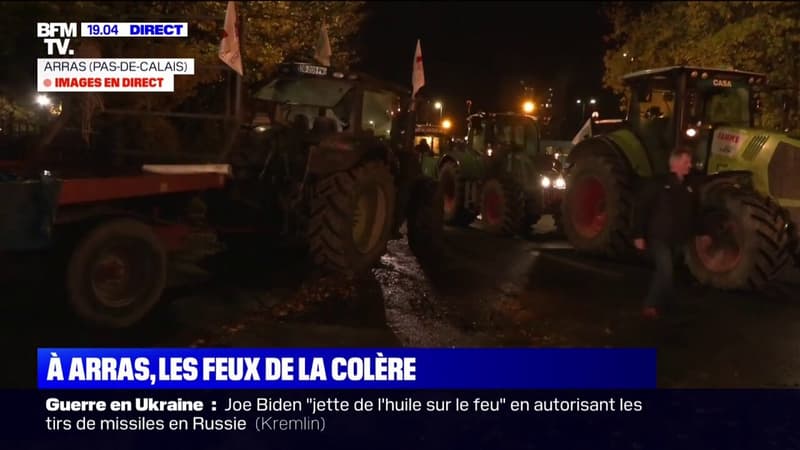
446	124
528	107
592	101
578	101
437	105
43	100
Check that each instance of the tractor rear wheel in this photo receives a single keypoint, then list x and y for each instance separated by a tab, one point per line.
351	218
453	193
503	207
597	205
748	245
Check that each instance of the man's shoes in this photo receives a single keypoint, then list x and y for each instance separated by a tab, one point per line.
650	313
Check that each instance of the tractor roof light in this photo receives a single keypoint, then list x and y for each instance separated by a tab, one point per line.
528	107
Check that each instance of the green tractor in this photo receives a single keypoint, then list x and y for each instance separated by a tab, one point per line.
746	177
502	173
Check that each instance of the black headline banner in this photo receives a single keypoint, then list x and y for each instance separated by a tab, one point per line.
598	419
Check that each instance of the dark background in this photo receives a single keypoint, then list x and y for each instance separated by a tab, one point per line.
482	50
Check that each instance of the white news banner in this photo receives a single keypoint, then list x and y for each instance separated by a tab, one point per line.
134	29
110	74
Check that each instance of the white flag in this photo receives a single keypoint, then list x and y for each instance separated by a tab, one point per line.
229	51
583	133
418	76
323	51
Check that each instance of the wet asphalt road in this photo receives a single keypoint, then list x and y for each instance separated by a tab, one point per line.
486	292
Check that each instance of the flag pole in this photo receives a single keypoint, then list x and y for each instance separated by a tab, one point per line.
238	93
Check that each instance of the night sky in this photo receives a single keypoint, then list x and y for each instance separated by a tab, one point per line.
481	51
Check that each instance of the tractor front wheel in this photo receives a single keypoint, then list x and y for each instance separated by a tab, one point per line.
351	218
503	207
747	244
597	205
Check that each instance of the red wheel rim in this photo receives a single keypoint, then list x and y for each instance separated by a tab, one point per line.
589	214
722	252
492	207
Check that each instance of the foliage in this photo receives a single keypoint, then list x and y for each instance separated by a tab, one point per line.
752	36
272	30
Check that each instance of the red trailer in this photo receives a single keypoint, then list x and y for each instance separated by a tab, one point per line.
114	232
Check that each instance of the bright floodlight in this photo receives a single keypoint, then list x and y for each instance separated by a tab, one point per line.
437	105
43	100
528	107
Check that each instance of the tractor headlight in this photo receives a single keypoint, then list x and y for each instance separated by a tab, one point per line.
560	183
545	182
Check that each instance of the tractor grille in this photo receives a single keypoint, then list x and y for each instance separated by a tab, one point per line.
754	147
783	170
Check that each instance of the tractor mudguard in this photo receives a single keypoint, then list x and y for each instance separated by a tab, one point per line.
344	151
708	183
621	143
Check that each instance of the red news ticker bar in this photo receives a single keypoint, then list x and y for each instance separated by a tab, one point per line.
90	190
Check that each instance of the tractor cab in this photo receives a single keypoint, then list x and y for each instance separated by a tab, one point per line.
317	101
685	105
502	133
499	135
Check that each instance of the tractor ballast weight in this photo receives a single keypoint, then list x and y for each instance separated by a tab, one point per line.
750	201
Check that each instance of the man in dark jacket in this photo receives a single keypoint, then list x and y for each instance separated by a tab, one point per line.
667	217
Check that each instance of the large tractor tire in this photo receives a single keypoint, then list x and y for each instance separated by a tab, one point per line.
453	193
116	273
425	219
352	214
748	245
503	207
597	206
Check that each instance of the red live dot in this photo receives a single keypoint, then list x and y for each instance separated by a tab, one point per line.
47	83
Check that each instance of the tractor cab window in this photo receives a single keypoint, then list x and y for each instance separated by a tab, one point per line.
377	113
713	105
433	141
477	135
652	115
298	101
509	134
